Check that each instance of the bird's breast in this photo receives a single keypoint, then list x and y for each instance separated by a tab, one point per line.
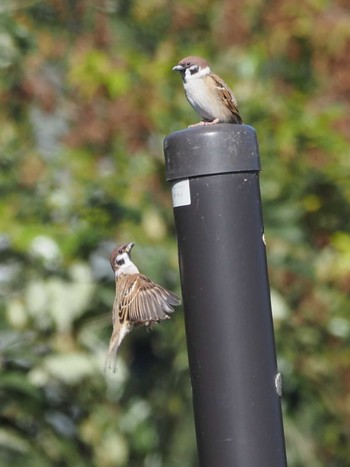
205	100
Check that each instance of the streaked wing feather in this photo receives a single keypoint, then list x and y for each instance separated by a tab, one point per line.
152	302
227	96
115	316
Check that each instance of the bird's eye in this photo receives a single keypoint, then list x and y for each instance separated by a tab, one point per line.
120	251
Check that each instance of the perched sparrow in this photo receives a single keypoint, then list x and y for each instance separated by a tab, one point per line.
210	97
138	301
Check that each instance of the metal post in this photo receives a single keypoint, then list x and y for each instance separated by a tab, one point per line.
217	210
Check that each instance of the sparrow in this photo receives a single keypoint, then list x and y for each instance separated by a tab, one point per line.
208	94
138	301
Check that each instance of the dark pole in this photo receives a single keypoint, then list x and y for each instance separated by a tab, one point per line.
217	209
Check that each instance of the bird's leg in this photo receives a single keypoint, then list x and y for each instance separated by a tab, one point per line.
204	122
197	124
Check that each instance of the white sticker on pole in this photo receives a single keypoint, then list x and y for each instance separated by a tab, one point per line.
181	193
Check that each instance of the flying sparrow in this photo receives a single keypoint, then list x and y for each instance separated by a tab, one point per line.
208	94
138	300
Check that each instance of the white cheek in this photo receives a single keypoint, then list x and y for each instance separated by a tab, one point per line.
188	75
127	268
205	71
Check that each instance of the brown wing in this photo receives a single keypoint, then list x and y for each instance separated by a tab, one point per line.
140	300
115	314
227	96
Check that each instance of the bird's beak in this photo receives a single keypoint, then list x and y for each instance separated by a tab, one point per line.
178	68
129	247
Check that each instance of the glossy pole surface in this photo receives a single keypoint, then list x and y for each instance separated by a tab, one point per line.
214	172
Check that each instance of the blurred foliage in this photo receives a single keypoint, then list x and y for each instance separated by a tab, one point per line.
87	97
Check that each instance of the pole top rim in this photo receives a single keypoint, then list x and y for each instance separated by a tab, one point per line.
210	150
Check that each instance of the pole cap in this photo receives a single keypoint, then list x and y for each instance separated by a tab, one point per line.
211	149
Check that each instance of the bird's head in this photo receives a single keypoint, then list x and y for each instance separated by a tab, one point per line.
192	67
121	260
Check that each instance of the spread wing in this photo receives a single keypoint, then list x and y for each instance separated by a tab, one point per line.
227	96
140	300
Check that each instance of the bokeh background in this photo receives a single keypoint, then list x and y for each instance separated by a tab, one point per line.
87	96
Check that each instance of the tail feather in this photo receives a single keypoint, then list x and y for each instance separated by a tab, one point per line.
118	335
